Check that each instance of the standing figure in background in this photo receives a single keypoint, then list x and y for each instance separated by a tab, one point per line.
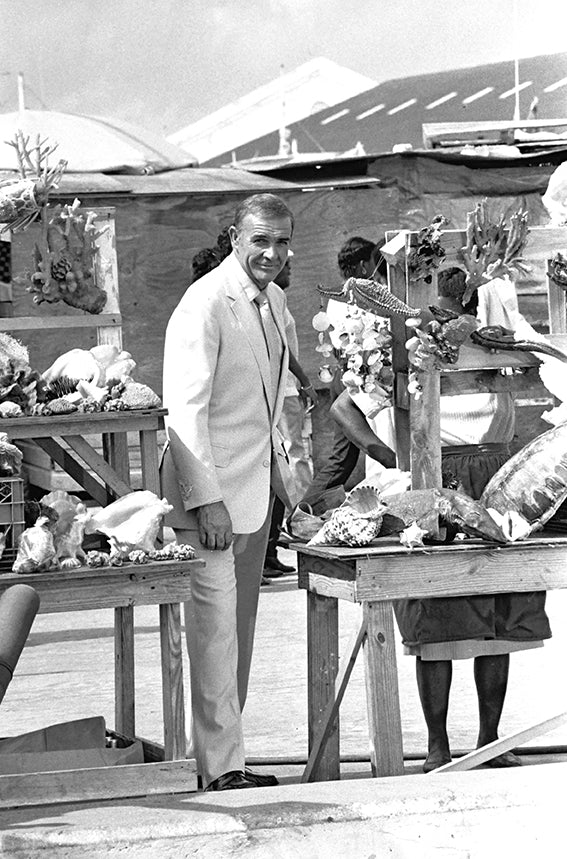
358	257
476	430
225	375
290	425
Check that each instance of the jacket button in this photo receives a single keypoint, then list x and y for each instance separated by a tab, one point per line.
266	463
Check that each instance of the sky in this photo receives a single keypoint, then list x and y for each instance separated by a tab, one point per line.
163	64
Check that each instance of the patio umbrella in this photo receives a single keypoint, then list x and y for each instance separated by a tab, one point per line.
92	144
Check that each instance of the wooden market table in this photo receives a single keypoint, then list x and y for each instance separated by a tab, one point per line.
374	577
105	477
163	583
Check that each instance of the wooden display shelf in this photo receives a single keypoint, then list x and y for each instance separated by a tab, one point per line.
79	457
166	584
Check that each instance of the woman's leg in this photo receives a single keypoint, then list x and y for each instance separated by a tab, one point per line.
491	678
434	684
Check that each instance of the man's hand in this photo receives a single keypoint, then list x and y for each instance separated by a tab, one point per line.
308	396
215	526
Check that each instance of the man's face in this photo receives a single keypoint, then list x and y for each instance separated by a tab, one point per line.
261	245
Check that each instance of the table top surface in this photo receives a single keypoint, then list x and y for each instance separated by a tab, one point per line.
80	423
86	574
390	545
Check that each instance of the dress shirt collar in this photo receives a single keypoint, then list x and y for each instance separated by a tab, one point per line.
248	285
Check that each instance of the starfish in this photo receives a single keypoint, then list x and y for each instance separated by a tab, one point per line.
372	297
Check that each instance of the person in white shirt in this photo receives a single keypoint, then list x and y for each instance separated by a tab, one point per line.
476	430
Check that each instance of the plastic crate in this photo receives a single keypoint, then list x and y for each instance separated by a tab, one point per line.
12	510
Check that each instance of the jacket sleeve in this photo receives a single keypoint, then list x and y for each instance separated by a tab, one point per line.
190	356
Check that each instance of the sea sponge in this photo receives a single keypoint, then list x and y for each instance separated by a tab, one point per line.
139	396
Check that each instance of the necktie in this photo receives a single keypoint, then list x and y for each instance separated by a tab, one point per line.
273	342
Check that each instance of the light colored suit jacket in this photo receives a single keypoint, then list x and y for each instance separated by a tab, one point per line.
223	443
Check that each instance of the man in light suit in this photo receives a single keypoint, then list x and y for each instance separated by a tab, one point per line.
225	371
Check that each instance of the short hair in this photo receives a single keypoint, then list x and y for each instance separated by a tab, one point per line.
223	246
262	204
452	283
203	262
354	251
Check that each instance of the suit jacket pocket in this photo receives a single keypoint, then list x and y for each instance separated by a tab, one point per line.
221	455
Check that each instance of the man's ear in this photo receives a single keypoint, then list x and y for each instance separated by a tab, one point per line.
233	235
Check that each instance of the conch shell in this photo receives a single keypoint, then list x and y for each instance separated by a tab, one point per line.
132	522
355	523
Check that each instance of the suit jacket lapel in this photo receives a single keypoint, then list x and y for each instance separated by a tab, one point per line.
249	321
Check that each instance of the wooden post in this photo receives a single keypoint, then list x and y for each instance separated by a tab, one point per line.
172	679
124	706
322	667
382	695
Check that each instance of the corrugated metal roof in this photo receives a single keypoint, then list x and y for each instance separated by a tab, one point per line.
394	112
194	180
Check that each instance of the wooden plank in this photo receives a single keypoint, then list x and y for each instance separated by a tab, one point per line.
328	587
33	323
382	694
397	280
425	430
149	455
557	304
322	667
542	244
151	779
322	562
73	468
327	722
108	587
40	426
124	682
98	464
172	681
528	383
504	744
516	567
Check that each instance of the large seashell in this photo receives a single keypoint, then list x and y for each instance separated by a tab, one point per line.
75	364
365	499
533	482
348	528
132	522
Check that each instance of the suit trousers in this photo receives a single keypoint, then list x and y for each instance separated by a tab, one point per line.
220	621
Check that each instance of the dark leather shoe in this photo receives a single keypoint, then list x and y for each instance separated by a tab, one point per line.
234	780
237	780
261	780
273	568
265	581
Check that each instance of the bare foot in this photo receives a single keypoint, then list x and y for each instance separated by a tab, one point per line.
507	759
433	761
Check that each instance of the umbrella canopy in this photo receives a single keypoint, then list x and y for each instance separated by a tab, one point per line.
92	144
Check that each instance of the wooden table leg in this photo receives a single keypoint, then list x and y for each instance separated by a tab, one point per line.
172	682
382	694
149	456
124	701
322	667
116	453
